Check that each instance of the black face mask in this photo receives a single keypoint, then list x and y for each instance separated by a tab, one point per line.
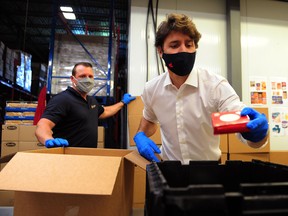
180	63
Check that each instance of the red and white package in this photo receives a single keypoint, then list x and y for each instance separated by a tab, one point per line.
229	122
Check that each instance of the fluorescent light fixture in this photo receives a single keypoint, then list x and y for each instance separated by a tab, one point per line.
69	16
66	9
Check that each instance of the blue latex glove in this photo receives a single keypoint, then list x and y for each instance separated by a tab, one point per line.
57	142
146	147
258	125
127	98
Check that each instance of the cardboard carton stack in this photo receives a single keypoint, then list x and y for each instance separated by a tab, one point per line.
68	51
18	138
22	65
20	112
2	46
39	77
9	65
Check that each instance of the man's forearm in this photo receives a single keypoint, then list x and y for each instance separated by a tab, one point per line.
111	110
149	128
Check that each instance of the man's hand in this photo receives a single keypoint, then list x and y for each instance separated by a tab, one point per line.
258	125
127	98
57	142
146	147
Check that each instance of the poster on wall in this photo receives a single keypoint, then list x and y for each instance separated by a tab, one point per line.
278	91
258	90
279	126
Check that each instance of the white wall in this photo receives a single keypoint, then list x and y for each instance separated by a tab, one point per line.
264	30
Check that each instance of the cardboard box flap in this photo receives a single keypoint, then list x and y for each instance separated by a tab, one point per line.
137	159
7	158
59	173
58	150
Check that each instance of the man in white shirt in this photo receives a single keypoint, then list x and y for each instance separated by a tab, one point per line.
183	99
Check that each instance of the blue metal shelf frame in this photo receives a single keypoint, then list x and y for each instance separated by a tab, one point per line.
51	52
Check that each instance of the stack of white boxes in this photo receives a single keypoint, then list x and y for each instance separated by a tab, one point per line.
2	47
18	138
68	51
9	65
22	138
20	112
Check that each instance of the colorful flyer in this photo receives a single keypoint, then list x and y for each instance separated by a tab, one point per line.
258	90
279	124
279	91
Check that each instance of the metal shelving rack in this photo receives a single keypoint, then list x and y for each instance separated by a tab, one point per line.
113	136
107	73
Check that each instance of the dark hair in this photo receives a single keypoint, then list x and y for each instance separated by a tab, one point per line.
85	64
179	23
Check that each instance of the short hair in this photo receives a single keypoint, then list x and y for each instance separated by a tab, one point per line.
179	23
85	64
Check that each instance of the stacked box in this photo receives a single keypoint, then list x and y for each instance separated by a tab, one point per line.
68	51
19	63
208	188
9	65
39	77
22	64
18	138
20	112
72	181
2	46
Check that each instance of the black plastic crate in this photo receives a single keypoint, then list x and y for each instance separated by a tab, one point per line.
208	188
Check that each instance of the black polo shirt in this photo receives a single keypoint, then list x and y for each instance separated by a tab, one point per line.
75	118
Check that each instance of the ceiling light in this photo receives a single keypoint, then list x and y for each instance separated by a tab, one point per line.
66	9
70	16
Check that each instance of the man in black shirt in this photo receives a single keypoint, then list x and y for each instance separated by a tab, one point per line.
71	117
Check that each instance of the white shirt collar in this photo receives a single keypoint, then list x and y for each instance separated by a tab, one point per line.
191	80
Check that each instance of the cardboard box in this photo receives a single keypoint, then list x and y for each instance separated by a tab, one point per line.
72	181
101	137
250	156
135	110
279	157
236	146
8	147
19	132
136	107
25	146
27	133
229	122
224	143
10	132
6	198
139	187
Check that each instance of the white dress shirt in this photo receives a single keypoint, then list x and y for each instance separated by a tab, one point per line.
184	114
